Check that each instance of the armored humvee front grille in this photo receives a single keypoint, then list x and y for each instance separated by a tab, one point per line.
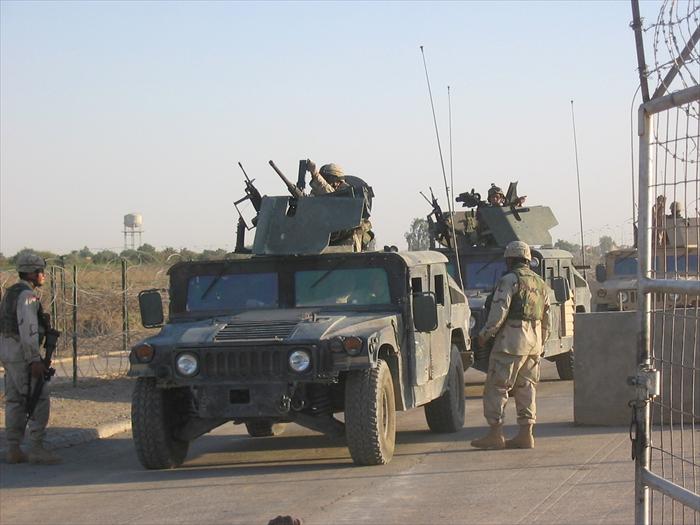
255	363
256	331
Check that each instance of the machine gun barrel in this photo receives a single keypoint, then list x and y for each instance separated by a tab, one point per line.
251	191
296	192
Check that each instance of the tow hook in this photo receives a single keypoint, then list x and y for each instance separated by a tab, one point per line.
285	403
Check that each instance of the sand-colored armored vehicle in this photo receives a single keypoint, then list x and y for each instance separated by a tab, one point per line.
482	234
298	331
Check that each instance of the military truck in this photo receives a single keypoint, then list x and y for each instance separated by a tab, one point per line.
617	277
298	331
481	235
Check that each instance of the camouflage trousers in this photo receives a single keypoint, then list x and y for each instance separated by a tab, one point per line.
519	373
16	382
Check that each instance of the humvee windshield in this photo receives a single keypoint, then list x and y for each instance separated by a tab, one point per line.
357	286
232	292
480	274
626	265
246	291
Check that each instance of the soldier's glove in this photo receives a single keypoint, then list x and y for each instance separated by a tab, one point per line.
37	369
310	166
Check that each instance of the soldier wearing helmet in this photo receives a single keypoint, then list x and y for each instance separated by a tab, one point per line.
676	210
496	197
331	178
20	333
519	321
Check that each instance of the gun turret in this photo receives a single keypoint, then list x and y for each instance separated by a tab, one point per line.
296	192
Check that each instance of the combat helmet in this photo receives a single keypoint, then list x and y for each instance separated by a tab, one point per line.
494	190
676	208
29	262
332	172
518	250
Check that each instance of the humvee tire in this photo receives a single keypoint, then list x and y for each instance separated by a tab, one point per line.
446	413
565	365
152	416
370	415
264	428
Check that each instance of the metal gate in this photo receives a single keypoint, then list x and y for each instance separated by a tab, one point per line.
666	424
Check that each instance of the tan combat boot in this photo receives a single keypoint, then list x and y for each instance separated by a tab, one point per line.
523	439
15	455
494	440
41	456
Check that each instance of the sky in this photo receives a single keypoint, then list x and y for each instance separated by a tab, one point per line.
109	108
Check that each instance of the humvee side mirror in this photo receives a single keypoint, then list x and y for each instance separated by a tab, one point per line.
151	306
425	317
600	275
561	289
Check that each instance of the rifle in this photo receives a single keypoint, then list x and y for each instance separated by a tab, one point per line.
251	192
296	192
441	228
51	336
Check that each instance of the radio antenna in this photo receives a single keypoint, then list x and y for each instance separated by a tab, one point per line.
449	113
578	182
444	174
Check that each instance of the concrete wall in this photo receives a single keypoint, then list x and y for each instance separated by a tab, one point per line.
606	355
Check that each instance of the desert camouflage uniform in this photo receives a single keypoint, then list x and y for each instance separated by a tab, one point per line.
17	351
515	358
319	186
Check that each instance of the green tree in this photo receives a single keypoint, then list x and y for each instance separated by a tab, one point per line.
85	253
208	255
418	237
105	257
568	246
606	244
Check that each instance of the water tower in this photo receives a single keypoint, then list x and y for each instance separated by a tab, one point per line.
132	227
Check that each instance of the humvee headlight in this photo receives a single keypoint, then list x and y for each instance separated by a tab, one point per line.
602	293
624	297
187	364
299	360
143	353
472	323
352	345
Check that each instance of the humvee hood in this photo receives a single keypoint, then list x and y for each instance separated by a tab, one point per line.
276	325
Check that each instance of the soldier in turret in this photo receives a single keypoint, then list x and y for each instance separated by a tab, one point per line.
519	321
330	179
20	332
676	211
496	197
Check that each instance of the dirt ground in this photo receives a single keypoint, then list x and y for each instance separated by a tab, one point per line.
93	402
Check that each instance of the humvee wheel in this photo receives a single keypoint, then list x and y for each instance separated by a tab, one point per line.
446	413
264	428
154	417
565	365
370	415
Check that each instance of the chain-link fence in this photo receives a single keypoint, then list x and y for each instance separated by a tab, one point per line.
95	306
667	408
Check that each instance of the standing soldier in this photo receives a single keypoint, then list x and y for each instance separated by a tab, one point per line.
20	333
519	320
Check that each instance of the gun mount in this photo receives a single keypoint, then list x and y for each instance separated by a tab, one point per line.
301	224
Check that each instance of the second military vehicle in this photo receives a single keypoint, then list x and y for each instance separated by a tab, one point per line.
295	333
481	236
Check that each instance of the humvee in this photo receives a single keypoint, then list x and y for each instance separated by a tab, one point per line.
481	236
297	332
617	276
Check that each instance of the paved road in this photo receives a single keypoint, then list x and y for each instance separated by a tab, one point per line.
575	475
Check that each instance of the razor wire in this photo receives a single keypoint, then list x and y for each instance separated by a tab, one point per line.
95	306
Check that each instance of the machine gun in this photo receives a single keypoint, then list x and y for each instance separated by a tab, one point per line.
441	231
253	195
51	336
296	192
470	199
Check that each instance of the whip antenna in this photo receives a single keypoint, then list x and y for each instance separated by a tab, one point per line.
578	182
444	174
449	113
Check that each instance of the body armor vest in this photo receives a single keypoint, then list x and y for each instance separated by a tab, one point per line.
528	302
8	309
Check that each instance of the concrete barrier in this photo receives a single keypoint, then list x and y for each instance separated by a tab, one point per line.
606	355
